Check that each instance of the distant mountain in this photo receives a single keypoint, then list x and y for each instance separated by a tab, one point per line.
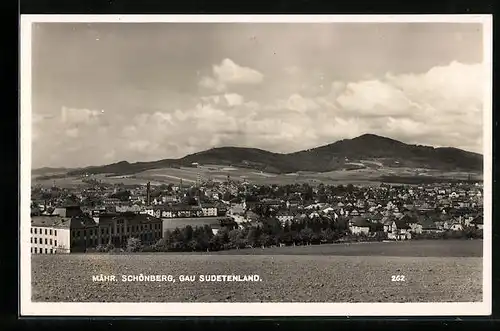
364	151
48	170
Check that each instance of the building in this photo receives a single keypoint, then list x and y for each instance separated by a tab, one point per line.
49	235
56	234
285	216
67	211
397	229
478	222
359	225
209	210
117	228
175	211
413	223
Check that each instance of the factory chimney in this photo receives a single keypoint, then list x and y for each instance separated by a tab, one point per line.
148	194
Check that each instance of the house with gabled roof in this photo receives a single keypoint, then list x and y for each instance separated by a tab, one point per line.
359	225
477	222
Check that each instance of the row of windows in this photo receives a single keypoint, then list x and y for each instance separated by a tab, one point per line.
94	242
77	232
41	241
119	229
41	250
41	231
90	242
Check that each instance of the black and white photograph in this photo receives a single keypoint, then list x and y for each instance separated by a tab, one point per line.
250	165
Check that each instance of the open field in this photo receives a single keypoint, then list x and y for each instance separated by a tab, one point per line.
285	278
411	248
219	173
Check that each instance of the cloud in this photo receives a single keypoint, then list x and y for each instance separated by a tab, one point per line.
233	99
212	84
298	103
440	107
374	97
292	70
229	73
79	115
73	133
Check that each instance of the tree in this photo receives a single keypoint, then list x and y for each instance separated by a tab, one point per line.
253	236
133	245
327	235
193	245
187	233
123	195
265	240
215	243
306	235
227	196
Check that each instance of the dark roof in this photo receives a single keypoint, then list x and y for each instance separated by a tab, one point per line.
408	219
136	218
376	216
51	221
400	224
80	221
360	221
69	206
477	220
208	205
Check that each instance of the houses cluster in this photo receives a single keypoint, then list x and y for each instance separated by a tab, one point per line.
73	220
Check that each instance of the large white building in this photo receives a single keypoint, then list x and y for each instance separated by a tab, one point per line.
56	233
50	235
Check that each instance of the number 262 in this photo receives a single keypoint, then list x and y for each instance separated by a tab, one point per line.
398	278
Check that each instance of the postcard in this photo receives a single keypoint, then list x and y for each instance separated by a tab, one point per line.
209	165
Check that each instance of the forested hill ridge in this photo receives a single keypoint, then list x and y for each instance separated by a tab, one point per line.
366	151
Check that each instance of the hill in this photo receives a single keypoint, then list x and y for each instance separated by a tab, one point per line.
365	151
48	171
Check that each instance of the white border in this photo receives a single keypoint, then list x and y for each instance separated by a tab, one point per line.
29	308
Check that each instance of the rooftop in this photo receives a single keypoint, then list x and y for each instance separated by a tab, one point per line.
63	222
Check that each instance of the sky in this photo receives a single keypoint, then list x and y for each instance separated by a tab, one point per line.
108	92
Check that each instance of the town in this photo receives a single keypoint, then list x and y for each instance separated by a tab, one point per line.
211	216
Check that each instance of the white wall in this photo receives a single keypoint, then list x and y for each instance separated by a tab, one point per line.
63	241
56	237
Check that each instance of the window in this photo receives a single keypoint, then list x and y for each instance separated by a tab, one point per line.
35	240
55	242
36	250
35	231
55	232
128	229
31	230
50	232
45	231
84	233
78	233
46	250
50	241
45	241
102	231
51	251
31	250
31	240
